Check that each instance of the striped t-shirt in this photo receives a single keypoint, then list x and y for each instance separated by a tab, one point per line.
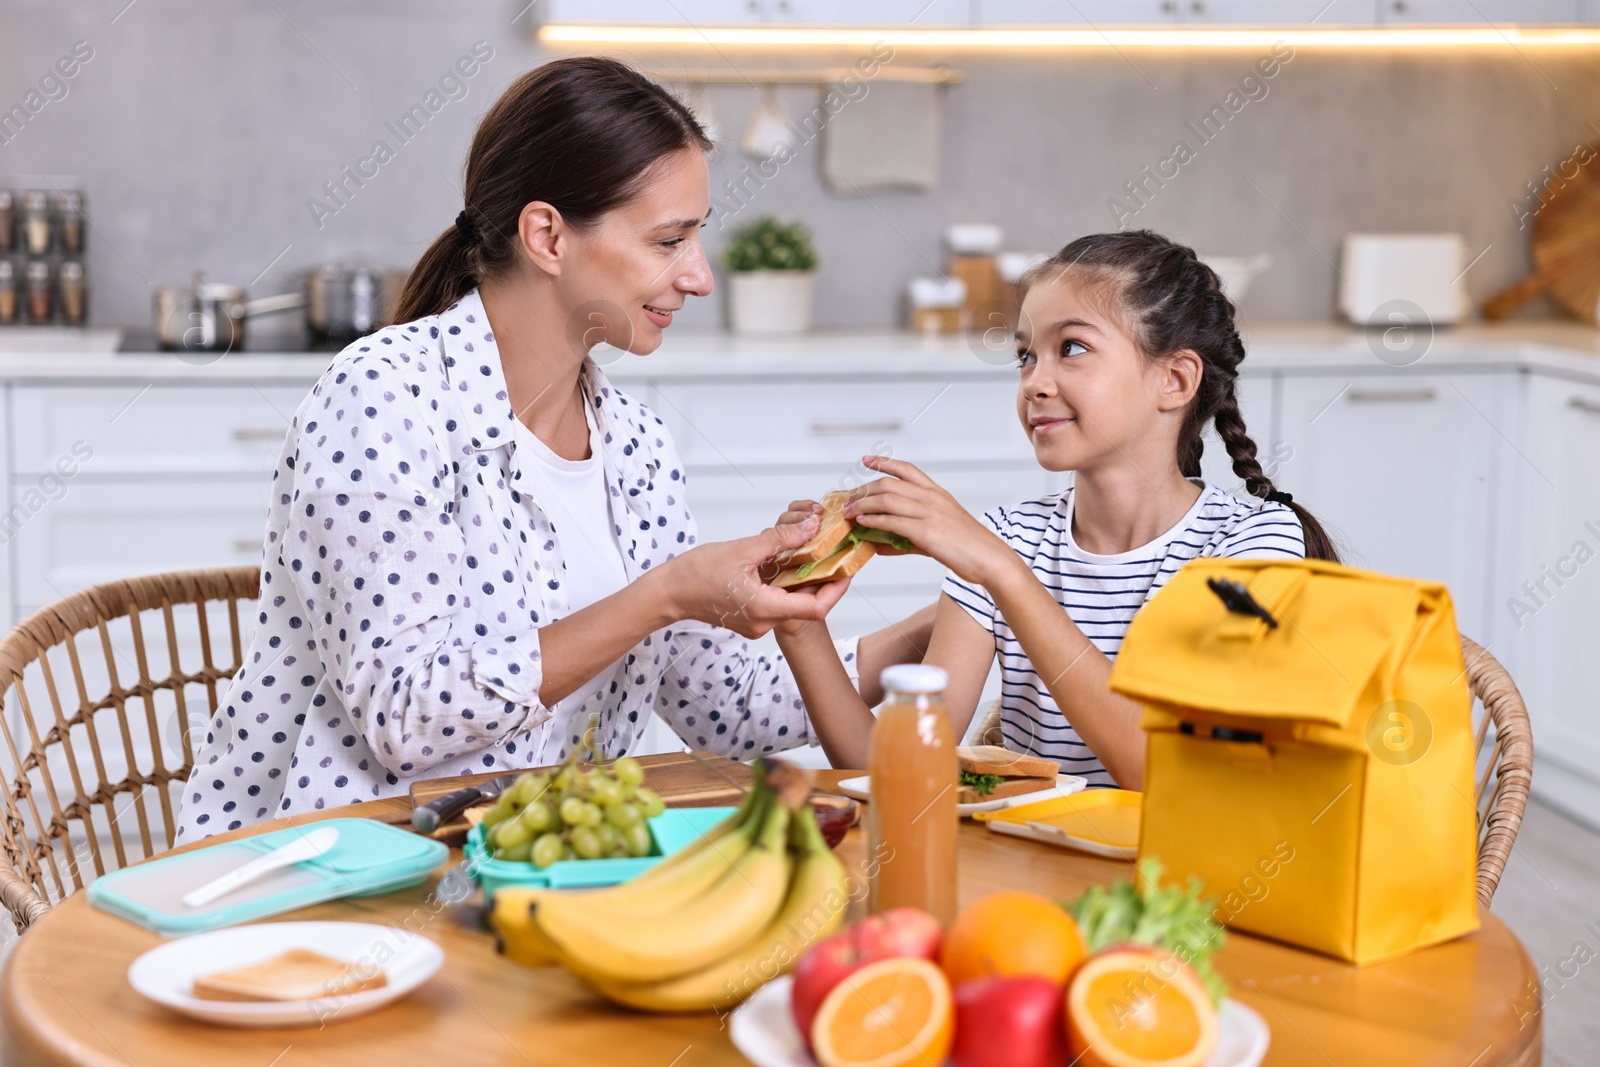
1102	593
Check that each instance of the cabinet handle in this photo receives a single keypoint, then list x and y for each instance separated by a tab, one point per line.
1583	403
258	433
247	544
1361	396
824	426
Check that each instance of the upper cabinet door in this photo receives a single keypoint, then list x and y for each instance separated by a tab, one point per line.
1279	12
916	14
678	12
1083	13
1477	12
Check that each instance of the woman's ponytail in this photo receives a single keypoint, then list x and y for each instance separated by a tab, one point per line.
578	134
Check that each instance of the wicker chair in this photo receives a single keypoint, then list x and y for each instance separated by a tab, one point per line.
1509	761
85	684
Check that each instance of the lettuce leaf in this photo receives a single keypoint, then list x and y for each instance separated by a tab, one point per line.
1172	917
983	783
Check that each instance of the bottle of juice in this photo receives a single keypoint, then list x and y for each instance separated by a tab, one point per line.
912	818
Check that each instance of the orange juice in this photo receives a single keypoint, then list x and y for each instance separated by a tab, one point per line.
912	818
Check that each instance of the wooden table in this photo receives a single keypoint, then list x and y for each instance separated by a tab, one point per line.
66	1000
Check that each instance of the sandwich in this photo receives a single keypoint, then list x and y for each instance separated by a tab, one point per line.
989	772
838	549
294	974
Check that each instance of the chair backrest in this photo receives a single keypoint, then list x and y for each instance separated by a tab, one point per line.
98	695
1504	766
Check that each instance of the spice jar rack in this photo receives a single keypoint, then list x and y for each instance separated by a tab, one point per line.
42	238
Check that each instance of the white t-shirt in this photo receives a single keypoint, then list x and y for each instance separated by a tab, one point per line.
573	494
1101	594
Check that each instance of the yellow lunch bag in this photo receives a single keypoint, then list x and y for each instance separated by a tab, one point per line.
1309	751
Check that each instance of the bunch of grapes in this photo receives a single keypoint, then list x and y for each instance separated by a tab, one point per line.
573	814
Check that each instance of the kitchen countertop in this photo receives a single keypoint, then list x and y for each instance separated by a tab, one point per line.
1563	348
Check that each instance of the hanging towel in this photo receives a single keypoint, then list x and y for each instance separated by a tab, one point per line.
885	139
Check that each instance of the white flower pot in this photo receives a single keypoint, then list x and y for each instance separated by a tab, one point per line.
770	301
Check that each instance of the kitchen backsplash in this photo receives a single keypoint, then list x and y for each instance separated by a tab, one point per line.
254	140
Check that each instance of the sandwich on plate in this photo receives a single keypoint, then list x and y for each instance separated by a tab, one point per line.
989	772
839	548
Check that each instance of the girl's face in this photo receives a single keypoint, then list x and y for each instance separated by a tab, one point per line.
1087	396
642	260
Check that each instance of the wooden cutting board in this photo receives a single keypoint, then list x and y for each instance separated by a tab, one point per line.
1566	248
684	780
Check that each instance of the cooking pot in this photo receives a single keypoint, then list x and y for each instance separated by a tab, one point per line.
209	316
347	302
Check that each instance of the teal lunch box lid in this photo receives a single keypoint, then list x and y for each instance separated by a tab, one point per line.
672	830
369	857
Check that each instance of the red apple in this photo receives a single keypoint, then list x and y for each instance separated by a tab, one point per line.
1009	1022
897	932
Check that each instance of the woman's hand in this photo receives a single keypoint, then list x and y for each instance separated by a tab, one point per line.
725	583
914	506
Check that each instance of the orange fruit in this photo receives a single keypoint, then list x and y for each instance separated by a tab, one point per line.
1136	1006
894	1013
1011	934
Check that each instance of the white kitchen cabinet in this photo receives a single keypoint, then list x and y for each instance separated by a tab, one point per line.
762	12
1477	12
814	421
1080	13
101	531
145	430
1549	600
1399	469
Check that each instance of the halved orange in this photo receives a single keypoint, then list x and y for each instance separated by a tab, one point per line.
1011	934
1136	1006
893	1013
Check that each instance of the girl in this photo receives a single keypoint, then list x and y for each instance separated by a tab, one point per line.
476	545
1126	349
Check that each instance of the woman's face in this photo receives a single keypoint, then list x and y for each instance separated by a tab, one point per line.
1087	395
641	261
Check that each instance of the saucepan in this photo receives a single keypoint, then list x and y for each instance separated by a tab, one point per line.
210	316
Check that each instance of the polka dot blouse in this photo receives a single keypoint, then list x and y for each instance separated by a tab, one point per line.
407	573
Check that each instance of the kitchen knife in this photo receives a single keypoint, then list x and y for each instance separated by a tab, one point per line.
434	814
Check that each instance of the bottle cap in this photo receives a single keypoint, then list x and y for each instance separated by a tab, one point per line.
914	678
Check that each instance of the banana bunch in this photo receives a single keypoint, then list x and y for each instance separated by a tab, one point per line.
705	927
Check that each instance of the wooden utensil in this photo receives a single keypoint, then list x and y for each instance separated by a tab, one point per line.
1566	248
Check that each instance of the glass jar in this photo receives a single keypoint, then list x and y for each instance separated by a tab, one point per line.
8	221
10	305
41	297
70	219
35	223
74	293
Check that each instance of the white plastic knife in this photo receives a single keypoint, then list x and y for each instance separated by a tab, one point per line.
308	847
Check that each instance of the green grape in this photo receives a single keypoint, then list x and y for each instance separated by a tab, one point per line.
619	851
498	812
610	837
524	791
650	803
586	843
546	850
538	817
568	852
606	792
565	779
517	854
574	811
592	814
510	834
624	815
628	772
638	839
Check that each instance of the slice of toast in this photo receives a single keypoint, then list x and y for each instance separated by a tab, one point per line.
1011	787
993	759
831	529
295	974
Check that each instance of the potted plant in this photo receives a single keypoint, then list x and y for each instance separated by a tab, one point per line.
773	265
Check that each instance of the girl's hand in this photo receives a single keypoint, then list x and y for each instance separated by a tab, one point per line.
914	506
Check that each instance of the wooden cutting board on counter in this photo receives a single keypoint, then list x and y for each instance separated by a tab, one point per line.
1565	246
680	778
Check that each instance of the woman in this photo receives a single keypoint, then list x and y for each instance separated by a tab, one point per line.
476	546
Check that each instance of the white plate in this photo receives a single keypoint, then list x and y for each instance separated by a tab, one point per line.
861	789
166	975
764	1031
